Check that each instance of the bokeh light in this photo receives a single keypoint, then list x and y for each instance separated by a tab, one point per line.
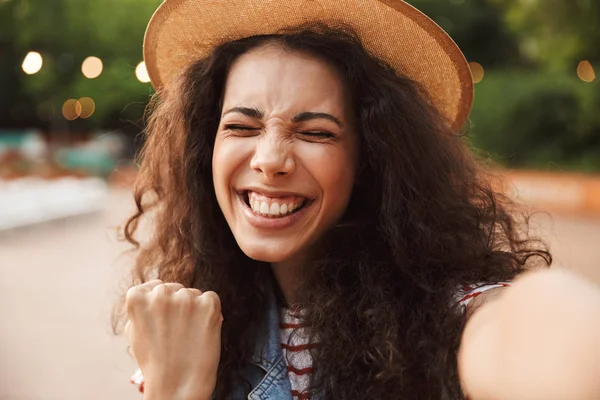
92	67
32	63
585	71
142	73
477	71
87	107
71	109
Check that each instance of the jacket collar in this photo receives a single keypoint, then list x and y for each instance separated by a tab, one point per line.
267	350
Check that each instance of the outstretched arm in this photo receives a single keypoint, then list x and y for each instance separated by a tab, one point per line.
537	339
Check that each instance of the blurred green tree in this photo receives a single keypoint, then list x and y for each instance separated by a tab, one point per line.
555	34
10	73
65	33
477	26
531	108
544	116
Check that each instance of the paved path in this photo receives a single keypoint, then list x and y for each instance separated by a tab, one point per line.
58	282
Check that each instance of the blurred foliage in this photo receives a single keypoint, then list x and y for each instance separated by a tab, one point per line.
556	34
66	32
531	110
536	120
477	27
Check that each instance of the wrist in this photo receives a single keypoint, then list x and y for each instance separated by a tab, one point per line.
175	392
181	384
172	395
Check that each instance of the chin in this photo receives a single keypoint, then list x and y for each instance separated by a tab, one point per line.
266	253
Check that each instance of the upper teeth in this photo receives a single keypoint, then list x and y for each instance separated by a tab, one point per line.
272	206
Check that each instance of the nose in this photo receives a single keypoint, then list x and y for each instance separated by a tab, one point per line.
273	156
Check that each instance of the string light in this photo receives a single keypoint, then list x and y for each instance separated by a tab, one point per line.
477	71
71	109
32	63
585	71
87	107
92	67
142	73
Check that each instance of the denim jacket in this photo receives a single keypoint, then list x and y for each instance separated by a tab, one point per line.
267	371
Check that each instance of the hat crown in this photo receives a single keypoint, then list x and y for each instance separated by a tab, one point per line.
181	31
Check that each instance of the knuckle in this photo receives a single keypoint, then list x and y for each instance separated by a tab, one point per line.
211	302
159	295
131	293
132	298
183	297
175	286
160	290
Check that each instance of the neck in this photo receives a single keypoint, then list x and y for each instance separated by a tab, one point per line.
287	275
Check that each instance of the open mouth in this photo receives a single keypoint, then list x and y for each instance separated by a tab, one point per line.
277	207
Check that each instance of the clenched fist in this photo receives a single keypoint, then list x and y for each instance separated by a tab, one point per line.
175	336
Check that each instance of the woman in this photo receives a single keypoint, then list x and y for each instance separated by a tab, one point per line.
319	226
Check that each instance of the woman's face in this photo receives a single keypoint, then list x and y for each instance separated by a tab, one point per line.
285	152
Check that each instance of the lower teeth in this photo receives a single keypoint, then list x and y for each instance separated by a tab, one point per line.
278	215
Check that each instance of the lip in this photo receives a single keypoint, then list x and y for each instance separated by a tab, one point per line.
260	222
272	193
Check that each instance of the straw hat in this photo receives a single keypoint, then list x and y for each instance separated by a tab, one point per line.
182	31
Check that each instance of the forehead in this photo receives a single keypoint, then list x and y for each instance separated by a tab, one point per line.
270	76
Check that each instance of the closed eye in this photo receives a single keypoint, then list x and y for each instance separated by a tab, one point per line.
318	134
235	127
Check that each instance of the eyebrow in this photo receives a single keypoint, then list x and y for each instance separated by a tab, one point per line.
307	116
301	117
247	111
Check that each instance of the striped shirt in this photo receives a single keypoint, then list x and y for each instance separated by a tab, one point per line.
296	352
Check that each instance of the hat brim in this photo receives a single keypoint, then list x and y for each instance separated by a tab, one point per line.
182	31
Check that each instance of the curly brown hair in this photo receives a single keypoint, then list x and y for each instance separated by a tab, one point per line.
423	221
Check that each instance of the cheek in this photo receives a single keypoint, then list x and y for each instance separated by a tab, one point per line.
230	158
334	171
217	166
223	167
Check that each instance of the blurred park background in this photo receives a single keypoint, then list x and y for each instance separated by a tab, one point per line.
73	89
